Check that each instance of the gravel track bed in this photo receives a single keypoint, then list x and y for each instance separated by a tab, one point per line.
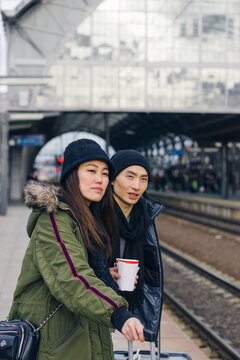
216	248
213	305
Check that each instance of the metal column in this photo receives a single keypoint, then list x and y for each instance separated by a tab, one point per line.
233	169
107	135
3	163
224	170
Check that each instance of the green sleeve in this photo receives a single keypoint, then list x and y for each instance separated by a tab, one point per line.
67	274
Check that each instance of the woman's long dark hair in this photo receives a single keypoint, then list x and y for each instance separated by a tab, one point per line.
102	231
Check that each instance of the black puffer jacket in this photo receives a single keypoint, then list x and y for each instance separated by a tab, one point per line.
150	311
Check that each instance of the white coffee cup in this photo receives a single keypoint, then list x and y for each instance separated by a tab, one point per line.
128	269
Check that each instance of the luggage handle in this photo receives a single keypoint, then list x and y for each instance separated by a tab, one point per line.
151	337
135	357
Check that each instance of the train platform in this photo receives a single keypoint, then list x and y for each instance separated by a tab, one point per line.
207	204
232	198
13	242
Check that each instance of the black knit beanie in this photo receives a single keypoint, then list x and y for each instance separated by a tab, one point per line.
80	151
125	158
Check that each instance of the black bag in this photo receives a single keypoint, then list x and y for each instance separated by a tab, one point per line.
19	339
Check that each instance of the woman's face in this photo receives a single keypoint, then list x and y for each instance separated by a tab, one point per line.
93	179
130	184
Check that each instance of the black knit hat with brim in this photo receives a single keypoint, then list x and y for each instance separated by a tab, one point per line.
80	151
125	158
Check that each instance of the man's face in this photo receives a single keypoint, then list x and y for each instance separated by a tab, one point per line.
130	184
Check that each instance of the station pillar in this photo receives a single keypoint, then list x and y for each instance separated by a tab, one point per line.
107	133
21	159
3	163
224	170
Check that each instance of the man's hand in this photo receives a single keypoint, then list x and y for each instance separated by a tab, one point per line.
133	330
114	273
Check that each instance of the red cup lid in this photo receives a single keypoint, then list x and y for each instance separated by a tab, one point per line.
129	261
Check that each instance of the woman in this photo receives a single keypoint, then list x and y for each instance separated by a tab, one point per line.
55	268
137	237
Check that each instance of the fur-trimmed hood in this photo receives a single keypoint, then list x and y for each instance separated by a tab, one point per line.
41	195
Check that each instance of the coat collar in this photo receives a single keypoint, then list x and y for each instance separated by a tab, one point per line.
41	195
153	209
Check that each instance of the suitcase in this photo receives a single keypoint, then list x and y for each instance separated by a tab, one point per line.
149	355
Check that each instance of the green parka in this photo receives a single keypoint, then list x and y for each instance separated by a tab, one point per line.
53	274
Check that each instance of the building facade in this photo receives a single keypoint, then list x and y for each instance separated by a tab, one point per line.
121	55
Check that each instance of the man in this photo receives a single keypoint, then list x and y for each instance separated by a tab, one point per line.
137	237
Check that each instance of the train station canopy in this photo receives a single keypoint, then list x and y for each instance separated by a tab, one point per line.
142	69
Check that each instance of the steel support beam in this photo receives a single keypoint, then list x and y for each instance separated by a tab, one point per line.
107	133
3	163
224	170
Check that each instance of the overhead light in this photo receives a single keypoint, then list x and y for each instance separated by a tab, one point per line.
218	144
11	142
24	80
130	132
211	149
31	116
20	126
26	116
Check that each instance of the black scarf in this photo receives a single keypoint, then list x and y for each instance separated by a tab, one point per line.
133	233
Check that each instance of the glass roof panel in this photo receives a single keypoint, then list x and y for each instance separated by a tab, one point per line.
138	54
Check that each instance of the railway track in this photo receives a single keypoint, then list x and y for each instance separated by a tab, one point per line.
210	302
221	224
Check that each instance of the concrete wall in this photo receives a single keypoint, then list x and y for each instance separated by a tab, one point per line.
20	163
